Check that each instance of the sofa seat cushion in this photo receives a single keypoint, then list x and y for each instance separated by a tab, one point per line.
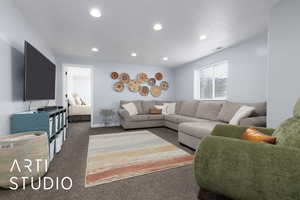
138	118
198	129
156	117
181	118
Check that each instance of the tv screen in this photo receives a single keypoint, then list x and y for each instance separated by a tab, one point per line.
39	75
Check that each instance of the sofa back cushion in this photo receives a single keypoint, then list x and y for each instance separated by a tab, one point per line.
178	107
189	108
230	108
260	108
137	103
147	105
209	110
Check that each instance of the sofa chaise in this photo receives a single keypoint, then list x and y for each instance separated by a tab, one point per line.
192	119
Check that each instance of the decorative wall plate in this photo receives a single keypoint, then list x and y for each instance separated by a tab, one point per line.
124	77
155	91
114	75
159	76
133	86
144	91
151	81
119	86
164	85
142	77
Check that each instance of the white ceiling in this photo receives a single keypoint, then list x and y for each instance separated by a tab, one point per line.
126	26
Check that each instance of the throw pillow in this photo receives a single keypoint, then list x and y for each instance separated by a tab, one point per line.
155	111
130	108
77	101
171	107
243	112
163	108
251	134
228	110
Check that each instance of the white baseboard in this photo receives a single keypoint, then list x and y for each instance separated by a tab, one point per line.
100	125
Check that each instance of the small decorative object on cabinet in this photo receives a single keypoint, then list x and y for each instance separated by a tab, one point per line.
53	122
108	115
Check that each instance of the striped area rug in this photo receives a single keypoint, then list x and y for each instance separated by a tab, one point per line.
119	156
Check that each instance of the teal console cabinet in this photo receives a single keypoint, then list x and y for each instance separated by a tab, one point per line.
54	122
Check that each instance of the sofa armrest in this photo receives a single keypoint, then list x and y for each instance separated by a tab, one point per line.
260	121
247	170
124	114
232	131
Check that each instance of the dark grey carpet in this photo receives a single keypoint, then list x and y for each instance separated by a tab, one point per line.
173	184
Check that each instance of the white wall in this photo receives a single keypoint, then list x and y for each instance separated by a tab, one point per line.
247	71
14	30
284	61
106	97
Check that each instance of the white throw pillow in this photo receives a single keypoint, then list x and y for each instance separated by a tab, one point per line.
167	108
130	108
163	108
170	108
243	112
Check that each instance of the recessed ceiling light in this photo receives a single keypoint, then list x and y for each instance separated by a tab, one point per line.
133	54
95	49
157	27
165	58
95	13
203	37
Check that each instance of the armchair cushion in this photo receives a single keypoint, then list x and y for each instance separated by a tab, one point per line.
288	133
247	170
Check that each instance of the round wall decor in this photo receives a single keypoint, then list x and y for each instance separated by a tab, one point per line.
164	85
118	86
159	76
133	86
155	91
151	81
124	77
142	77
114	75
144	91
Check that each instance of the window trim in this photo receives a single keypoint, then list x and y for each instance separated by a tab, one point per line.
197	82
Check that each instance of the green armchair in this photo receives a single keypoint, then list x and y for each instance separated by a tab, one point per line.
239	169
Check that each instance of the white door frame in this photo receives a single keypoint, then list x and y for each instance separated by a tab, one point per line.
64	85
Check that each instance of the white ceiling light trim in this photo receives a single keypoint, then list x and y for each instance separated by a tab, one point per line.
157	27
203	37
133	54
165	58
94	49
94	12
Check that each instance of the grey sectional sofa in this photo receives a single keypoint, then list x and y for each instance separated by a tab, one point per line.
193	119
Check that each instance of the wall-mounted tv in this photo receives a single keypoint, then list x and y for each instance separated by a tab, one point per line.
39	75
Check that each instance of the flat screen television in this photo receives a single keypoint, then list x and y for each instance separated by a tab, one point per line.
39	75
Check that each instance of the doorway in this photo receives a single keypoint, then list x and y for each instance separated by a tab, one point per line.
77	92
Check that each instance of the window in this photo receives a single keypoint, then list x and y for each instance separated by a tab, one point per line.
210	82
